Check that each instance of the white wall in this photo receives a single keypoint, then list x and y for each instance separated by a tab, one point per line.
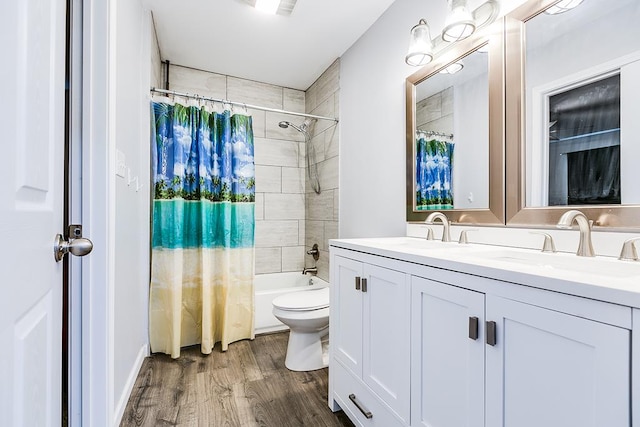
372	139
372	122
131	126
471	137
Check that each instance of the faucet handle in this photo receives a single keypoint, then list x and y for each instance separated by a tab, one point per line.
463	240
628	252
314	252
547	245
429	233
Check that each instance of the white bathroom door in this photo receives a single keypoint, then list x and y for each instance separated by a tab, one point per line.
31	210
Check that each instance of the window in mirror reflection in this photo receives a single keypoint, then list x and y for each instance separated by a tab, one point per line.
452	116
584	144
582	105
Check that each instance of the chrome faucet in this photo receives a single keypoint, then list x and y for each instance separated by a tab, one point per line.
585	248
310	270
446	236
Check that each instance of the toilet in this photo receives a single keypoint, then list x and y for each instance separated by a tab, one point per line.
306	313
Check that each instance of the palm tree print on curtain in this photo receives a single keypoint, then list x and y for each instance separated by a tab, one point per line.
203	228
434	164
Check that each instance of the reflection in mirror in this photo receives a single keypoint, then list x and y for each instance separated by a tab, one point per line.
455	132
582	105
452	122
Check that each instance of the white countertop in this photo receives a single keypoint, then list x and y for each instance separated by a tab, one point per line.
601	278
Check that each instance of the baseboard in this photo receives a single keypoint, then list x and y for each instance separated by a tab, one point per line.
124	399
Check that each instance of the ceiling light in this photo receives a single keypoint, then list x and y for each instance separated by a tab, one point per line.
459	24
268	6
452	68
562	6
420	45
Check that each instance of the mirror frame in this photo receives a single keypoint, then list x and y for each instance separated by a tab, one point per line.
495	213
518	215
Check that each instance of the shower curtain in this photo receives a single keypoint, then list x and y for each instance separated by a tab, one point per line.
434	164
202	261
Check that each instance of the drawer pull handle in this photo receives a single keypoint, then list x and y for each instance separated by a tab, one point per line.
473	328
491	333
367	414
357	283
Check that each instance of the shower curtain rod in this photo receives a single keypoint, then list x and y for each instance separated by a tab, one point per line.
432	133
240	104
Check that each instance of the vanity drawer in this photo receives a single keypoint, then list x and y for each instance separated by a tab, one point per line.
356	399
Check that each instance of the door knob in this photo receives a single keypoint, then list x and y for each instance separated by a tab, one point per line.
78	247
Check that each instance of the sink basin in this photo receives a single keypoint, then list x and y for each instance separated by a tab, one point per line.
598	266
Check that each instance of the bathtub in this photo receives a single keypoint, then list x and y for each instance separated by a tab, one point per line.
269	286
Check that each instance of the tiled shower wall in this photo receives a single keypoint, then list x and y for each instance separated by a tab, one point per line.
435	113
279	157
322	99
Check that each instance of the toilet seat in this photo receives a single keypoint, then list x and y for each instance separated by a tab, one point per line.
315	299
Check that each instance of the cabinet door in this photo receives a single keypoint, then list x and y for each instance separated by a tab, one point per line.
555	370
346	313
386	317
447	358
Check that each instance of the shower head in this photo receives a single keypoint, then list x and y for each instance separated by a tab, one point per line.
302	128
285	124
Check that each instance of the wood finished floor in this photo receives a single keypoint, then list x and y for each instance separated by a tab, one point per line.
246	386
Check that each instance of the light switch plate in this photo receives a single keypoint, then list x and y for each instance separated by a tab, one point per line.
121	164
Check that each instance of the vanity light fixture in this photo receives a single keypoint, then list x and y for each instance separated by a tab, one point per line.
420	45
460	23
563	6
268	6
452	68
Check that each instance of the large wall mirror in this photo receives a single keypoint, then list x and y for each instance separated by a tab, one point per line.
573	109
455	133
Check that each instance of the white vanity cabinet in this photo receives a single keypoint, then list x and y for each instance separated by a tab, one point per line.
369	330
482	352
447	355
553	369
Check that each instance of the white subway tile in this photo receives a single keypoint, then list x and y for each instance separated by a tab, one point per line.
276	233
328	173
268	179
183	79
293	100
315	233
283	206
259	210
293	258
268	260
293	180
252	92
274	152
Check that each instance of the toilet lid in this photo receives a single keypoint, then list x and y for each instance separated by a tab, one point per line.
313	299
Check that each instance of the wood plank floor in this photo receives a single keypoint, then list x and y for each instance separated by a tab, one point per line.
246	386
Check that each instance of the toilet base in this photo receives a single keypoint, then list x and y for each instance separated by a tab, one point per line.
305	351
